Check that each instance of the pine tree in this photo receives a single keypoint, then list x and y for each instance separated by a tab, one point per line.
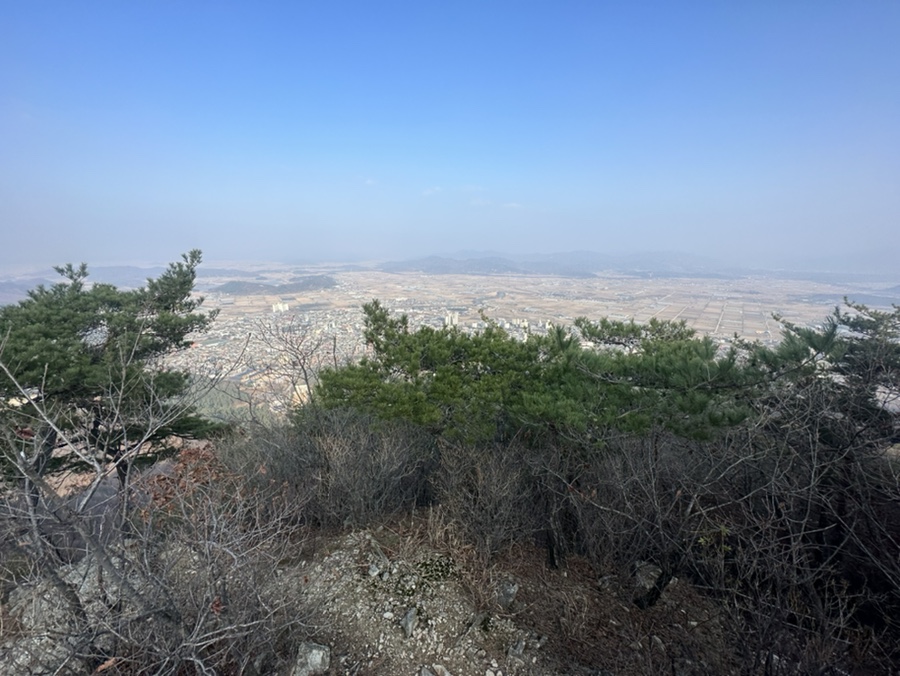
82	367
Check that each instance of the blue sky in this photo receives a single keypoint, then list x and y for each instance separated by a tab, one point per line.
132	131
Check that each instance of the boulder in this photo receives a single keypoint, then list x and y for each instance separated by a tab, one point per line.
312	659
49	639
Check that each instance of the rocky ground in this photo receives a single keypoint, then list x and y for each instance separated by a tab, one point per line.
408	597
388	601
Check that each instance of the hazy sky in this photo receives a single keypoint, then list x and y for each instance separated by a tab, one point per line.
133	131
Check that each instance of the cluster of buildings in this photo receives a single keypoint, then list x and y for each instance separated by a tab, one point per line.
273	357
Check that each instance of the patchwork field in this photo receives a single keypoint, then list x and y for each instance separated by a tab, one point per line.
718	307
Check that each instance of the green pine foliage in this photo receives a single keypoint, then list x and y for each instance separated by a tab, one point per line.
467	387
489	386
601	376
90	356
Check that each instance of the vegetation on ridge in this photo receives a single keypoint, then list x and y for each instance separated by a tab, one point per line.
763	477
82	365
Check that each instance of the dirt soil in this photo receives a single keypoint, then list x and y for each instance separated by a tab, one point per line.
363	585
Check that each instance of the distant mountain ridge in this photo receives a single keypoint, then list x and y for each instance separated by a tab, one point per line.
125	276
571	264
311	283
13	292
438	265
883	298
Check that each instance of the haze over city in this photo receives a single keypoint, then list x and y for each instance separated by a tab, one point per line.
752	133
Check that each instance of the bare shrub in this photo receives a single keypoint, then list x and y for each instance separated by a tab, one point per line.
630	501
369	469
343	467
271	460
487	490
186	587
797	539
220	545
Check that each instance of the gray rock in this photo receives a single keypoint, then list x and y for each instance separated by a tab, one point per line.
312	659
41	656
409	621
40	608
440	670
98	591
51	634
646	574
506	593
